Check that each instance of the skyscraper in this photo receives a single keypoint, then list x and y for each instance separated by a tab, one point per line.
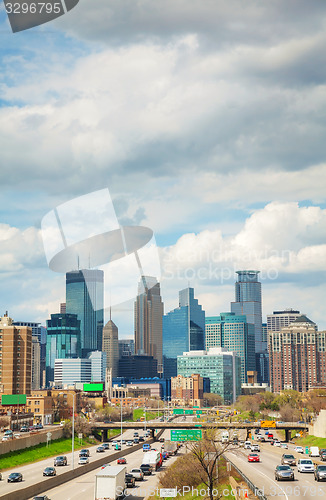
148	319
235	334
279	319
183	331
63	340
36	364
84	297
111	347
248	302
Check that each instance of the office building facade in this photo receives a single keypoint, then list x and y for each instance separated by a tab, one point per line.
68	372
126	347
36	364
280	319
148	312
187	390
85	298
235	334
138	366
15	357
111	347
63	340
98	365
223	369
183	330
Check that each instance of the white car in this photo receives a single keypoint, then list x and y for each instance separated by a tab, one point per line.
83	460
305	465
247	445
299	449
138	474
277	443
255	447
284	445
6	438
129	443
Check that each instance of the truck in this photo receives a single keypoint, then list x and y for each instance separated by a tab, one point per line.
171	447
225	437
110	483
153	458
314	451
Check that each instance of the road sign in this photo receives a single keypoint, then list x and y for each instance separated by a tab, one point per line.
186	434
307	450
268	423
199	412
178	411
49	435
80	435
189	412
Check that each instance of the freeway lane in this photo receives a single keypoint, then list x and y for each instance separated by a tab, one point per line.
83	487
262	475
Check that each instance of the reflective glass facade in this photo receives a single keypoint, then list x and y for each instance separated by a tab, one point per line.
86	300
235	334
183	330
63	340
222	368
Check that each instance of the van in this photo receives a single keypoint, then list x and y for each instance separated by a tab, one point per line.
314	451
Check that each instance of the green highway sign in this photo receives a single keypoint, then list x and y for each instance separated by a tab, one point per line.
178	411
186	434
189	412
199	412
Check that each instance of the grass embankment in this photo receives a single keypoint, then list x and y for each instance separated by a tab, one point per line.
150	415
311	441
41	451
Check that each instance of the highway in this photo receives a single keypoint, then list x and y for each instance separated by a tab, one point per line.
262	474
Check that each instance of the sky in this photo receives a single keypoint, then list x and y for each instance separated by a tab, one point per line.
205	120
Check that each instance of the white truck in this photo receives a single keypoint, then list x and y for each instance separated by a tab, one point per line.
225	437
153	458
110	483
314	451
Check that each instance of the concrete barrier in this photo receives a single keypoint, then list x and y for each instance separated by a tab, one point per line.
29	440
52	482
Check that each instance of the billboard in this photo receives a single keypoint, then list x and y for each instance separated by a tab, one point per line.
13	399
186	434
93	388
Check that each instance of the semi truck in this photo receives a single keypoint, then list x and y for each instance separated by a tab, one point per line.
171	447
225	437
110	483
153	458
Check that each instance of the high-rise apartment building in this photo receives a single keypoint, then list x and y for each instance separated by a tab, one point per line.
222	367
148	319
248	302
235	334
39	332
63	340
297	356
279	319
85	297
111	347
187	390
183	331
15	357
36	364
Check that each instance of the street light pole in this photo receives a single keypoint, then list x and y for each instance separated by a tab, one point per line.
73	431
121	424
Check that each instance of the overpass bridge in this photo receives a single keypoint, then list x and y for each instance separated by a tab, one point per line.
152	426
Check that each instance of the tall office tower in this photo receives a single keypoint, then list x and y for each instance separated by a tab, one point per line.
36	363
98	364
293	355
248	302
235	334
126	347
39	332
148	319
183	331
15	357
85	297
63	308
63	340
111	347
279	319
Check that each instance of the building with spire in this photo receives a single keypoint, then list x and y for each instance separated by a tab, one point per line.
111	346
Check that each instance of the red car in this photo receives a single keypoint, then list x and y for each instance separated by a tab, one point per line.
121	461
253	457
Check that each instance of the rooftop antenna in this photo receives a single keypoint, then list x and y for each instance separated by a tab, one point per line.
78	262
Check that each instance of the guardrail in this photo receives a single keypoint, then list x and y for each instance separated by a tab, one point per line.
256	491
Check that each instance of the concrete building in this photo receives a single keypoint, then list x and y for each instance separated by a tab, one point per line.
40	402
222	367
126	347
280	319
137	367
15	357
148	320
235	334
36	364
68	372
111	346
297	356
187	390
98	366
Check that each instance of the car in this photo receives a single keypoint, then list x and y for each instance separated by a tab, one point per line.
288	459
49	471
129	443
123	441
247	445
105	465
161	440
141	438
117	447
85	451
284	446
130	480
256	431
15	477
100	449
255	447
322	456
62	460
253	457
305	465
121	461
284	472
83	460
41	497
147	469
277	443
106	446
165	455
24	429
6	438
138	474
38	426
136	434
299	449
136	440
8	432
16	435
320	473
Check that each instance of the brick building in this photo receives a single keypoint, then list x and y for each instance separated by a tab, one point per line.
187	390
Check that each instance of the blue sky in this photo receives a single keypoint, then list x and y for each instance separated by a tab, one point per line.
206	121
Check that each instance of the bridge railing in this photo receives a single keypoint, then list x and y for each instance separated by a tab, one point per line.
256	491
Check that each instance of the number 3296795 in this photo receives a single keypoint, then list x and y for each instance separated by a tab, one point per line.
33	8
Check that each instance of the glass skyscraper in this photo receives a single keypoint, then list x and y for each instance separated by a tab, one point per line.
63	340
235	334
84	297
183	331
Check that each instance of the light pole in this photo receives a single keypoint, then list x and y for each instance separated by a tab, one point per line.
121	423
73	431
145	417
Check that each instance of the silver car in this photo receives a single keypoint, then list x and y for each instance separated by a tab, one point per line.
305	465
284	472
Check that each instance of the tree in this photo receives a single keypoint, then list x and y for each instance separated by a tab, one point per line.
82	426
4	421
211	399
289	414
